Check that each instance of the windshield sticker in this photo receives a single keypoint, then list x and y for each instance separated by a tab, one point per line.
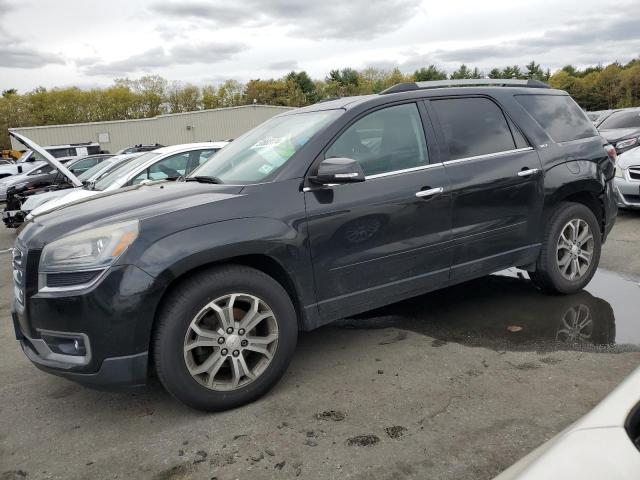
267	142
266	168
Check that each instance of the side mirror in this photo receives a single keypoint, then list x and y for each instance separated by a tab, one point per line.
338	170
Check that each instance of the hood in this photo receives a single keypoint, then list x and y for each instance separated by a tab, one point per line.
138	202
65	197
629	158
616	134
34	201
48	157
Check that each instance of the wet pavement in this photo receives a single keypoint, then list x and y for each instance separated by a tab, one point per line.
457	384
506	312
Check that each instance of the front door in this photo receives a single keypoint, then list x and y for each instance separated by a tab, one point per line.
377	242
496	186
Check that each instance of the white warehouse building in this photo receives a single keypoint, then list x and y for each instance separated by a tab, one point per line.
169	129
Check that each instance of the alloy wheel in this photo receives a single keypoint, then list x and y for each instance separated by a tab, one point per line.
231	341
575	248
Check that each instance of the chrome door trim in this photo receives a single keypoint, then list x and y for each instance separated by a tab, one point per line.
404	170
488	155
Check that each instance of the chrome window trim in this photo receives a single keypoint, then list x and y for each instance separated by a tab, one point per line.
487	155
434	165
404	170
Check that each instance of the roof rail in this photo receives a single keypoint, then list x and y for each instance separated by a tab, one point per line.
469	82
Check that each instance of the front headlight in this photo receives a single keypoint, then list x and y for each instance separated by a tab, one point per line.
93	249
626	143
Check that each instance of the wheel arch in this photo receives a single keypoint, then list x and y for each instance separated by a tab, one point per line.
585	192
260	261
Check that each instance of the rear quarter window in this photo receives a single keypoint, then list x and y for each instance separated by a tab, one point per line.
559	115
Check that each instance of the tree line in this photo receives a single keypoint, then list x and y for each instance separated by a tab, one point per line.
594	88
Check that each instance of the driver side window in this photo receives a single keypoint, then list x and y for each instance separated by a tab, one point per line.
169	168
384	141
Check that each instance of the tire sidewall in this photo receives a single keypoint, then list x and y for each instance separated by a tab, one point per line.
170	338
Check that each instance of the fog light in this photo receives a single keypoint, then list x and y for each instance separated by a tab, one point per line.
65	344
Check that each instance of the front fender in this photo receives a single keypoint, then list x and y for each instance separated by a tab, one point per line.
179	253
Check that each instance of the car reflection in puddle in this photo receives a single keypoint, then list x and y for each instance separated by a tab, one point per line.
505	311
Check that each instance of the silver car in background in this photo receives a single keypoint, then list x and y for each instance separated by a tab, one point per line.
627	181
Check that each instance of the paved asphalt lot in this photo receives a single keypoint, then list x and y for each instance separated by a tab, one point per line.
454	385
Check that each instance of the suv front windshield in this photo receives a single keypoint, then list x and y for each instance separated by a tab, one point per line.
621	120
263	150
107	180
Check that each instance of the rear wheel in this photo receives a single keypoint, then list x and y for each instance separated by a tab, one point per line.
570	250
224	338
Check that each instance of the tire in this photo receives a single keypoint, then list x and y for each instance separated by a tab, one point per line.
549	275
195	313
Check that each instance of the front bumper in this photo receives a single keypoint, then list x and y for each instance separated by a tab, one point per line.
113	319
115	373
627	193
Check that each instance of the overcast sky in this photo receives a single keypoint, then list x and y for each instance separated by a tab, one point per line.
89	42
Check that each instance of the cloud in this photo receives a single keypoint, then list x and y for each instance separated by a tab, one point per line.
14	53
585	34
283	65
353	19
18	56
158	57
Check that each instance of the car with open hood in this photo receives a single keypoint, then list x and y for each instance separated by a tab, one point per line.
88	177
166	163
55	175
33	168
63	153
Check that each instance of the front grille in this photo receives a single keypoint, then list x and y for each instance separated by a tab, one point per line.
634	172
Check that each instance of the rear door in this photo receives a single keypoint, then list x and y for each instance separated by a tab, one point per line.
496	185
377	242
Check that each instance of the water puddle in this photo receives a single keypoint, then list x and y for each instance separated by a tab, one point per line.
505	311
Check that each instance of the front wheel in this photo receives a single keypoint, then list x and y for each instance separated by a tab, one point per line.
570	251
224	338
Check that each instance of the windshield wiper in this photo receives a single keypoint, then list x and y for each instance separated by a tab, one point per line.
203	179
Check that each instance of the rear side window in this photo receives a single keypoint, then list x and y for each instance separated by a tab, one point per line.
559	115
473	126
93	149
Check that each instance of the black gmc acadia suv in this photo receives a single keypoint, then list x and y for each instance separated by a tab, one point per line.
317	214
